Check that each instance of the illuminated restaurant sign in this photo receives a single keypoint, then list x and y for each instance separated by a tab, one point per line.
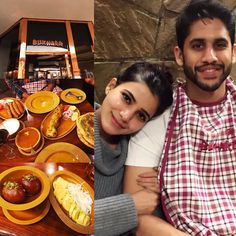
47	34
53	43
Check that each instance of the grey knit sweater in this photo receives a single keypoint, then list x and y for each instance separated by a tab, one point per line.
115	213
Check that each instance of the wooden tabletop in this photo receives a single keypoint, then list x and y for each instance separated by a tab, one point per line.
9	151
51	224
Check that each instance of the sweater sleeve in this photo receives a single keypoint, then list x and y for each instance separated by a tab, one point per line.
115	215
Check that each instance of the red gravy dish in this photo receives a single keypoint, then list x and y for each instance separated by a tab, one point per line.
28	138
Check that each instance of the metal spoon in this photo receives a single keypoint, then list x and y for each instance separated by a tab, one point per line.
73	95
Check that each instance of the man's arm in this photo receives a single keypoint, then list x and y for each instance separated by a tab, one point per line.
131	185
144	152
51	84
149	225
145	148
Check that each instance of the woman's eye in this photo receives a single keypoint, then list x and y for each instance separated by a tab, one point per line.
142	117
126	98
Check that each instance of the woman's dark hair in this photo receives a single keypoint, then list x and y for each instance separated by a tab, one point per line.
200	9
156	77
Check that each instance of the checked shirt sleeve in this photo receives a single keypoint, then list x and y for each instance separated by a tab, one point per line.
16	86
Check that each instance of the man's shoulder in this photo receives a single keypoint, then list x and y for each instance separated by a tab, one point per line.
159	120
155	128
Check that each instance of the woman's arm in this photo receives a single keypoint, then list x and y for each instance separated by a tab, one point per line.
115	215
118	214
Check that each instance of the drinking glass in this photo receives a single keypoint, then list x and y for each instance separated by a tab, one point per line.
4	134
5	149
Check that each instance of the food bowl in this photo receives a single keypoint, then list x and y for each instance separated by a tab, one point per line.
28	139
16	173
60	210
12	125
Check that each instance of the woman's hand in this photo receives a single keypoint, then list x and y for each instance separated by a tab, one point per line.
148	180
145	201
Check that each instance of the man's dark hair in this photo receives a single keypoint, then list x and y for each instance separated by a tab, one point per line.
200	9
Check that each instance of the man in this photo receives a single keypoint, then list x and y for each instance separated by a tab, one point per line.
24	87
197	164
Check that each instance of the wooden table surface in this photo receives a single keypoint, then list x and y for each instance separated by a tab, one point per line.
50	225
9	151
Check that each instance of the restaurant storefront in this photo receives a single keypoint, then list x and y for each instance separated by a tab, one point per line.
56	49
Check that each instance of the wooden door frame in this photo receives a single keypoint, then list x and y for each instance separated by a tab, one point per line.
71	51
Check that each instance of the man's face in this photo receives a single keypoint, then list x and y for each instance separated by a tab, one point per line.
207	54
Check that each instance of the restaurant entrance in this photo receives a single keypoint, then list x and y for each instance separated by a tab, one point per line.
48	66
47	48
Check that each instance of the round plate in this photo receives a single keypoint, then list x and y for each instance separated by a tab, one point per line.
9	100
72	99
62	152
64	128
30	216
35	151
16	173
42	102
85	128
73	178
84	141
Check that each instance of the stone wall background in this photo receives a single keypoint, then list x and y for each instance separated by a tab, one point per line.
127	31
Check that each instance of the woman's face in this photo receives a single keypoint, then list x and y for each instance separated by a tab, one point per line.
127	107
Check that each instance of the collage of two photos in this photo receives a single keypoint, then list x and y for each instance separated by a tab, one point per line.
117	118
47	118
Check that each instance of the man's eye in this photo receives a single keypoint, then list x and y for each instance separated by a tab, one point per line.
197	46
220	45
142	117
126	98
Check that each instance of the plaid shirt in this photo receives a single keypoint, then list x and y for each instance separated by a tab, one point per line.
198	166
20	86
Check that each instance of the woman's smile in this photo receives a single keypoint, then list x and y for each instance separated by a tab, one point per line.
116	122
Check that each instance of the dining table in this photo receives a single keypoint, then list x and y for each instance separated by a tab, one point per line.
51	224
9	151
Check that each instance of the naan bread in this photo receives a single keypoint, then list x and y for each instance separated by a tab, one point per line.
54	122
85	126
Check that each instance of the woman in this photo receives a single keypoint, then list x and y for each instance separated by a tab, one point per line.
141	92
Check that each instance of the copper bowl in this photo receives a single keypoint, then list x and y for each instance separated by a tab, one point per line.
28	139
